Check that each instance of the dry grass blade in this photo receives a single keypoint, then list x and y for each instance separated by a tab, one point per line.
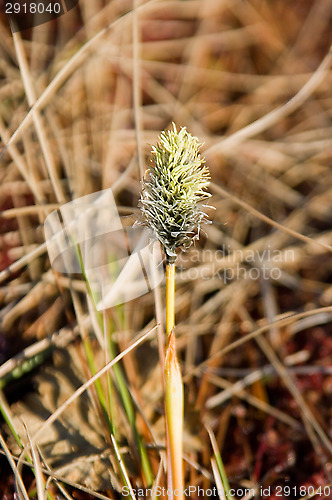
40	128
123	469
137	88
62	76
23	261
236	388
40	483
22	490
218	467
278	114
82	99
307	414
156	484
57	477
290	319
87	384
217	478
268	220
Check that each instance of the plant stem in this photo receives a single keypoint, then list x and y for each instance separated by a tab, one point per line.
173	396
170	297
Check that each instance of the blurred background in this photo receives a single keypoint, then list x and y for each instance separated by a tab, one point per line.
252	80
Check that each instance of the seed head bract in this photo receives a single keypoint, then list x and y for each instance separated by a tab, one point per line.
173	189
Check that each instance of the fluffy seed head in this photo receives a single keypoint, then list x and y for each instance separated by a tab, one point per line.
173	189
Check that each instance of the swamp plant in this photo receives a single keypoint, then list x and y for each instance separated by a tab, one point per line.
171	204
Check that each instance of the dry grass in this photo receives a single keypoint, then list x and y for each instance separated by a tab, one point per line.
81	100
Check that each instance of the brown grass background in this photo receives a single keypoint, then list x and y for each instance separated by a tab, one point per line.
82	99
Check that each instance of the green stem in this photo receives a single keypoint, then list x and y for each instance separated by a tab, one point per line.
130	412
223	476
98	385
122	387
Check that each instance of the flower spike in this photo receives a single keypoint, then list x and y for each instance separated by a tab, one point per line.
173	189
